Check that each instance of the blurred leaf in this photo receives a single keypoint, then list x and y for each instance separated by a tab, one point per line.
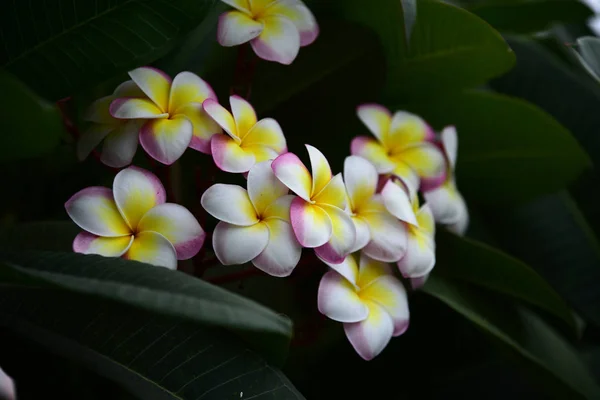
552	236
531	16
450	48
155	289
509	150
29	125
74	44
152	356
340	44
409	11
589	47
523	331
485	266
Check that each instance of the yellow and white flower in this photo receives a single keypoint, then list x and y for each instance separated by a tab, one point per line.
368	299
276	29
255	223
419	258
247	141
173	113
318	214
133	221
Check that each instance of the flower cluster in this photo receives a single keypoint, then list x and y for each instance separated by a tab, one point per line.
381	210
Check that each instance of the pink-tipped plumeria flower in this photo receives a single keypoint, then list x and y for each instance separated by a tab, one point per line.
419	258
318	215
248	141
379	234
368	299
173	110
276	29
133	221
255	223
120	136
402	147
7	387
446	202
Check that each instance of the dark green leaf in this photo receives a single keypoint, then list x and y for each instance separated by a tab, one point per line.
530	337
152	356
409	11
482	265
509	150
450	48
29	125
589	47
158	290
532	16
552	236
60	47
340	44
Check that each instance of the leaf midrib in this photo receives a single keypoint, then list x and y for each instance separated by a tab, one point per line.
66	31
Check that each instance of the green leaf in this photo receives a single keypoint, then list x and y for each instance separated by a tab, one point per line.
155	289
340	45
29	125
450	48
509	150
72	44
552	236
536	343
532	16
152	356
477	263
409	11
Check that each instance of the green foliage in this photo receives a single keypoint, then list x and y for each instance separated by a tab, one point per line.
151	355
73	45
29	126
531	16
154	289
479	264
520	329
509	150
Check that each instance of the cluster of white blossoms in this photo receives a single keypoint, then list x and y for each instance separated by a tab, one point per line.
376	216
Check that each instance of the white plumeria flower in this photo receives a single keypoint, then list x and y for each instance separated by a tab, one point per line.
419	258
133	221
173	110
368	299
379	234
247	141
403	146
318	213
7	387
276	29
255	223
446	202
120	136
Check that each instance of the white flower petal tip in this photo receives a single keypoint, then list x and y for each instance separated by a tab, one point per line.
338	299
449	139
7	386
371	336
398	203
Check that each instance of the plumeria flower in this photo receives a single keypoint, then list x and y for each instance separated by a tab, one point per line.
120	136
317	214
255	223
368	299
133	221
402	147
248	141
419	258
7	387
276	29
447	204
173	110
379	234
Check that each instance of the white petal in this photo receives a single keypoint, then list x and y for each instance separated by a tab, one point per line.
369	337
343	236
239	244
388	292
338	300
120	146
388	237
283	251
450	142
264	187
419	258
361	180
229	203
397	203
92	138
363	234
279	41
